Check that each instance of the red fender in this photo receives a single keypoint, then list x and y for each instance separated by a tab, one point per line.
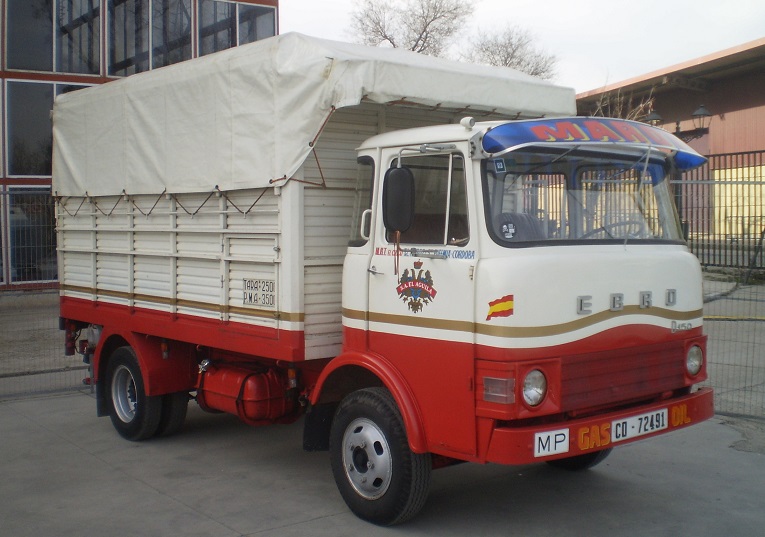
392	380
160	375
99	354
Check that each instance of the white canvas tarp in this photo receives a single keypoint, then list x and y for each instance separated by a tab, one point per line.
243	117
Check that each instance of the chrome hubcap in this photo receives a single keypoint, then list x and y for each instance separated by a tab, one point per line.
124	394
367	459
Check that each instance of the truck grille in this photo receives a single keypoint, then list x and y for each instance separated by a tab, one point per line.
592	380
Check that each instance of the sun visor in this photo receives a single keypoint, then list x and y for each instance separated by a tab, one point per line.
589	130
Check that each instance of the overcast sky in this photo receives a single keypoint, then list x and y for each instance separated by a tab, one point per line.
597	42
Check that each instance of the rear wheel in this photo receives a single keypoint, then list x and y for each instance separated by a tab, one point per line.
378	476
581	462
135	415
174	408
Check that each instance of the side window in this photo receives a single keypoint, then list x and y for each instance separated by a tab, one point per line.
441	215
362	202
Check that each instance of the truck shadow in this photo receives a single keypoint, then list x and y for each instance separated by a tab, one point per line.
542	500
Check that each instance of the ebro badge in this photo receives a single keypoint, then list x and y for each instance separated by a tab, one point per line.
416	287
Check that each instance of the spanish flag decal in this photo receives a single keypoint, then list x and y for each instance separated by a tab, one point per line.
502	307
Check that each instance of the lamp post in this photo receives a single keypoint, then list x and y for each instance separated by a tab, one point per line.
702	117
653	119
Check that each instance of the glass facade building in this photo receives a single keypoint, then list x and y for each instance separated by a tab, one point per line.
55	46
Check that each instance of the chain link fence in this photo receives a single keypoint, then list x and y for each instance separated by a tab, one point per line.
32	361
735	324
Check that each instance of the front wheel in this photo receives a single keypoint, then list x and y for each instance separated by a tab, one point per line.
134	414
381	480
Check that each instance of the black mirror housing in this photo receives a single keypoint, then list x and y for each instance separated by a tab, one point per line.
398	199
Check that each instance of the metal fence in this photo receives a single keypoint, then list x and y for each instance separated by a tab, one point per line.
32	359
722	206
27	238
735	324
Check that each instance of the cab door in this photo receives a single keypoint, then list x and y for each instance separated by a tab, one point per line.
421	295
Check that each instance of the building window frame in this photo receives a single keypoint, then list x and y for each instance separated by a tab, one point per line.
5	256
53	36
57	89
150	30
239	18
8	129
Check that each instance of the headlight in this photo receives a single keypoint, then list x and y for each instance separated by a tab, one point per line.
694	360
534	387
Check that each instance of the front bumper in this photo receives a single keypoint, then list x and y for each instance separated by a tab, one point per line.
526	445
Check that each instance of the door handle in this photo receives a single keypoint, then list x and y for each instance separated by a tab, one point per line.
373	270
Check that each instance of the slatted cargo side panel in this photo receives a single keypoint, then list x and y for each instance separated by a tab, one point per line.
152	287
189	254
328	211
197	264
327	217
76	272
112	264
152	282
219	243
252	261
323	327
76	247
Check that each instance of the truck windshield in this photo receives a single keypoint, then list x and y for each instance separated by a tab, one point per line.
540	195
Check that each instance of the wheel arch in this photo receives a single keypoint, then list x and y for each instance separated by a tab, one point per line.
162	374
353	371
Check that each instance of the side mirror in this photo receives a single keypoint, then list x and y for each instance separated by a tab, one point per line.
398	199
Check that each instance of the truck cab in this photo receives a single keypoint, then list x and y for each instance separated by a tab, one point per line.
525	288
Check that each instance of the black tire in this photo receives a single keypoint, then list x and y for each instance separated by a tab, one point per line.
581	462
378	476
174	408
134	414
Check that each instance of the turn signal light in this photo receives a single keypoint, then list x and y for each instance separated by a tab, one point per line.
499	390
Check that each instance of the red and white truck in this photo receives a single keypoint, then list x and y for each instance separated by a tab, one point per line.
300	228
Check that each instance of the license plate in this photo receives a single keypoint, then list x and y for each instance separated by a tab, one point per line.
635	426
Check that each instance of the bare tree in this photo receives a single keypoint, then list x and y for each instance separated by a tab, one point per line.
424	26
617	104
515	48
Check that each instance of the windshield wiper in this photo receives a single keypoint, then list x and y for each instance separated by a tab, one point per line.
549	163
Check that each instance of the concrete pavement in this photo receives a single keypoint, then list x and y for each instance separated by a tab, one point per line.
67	473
